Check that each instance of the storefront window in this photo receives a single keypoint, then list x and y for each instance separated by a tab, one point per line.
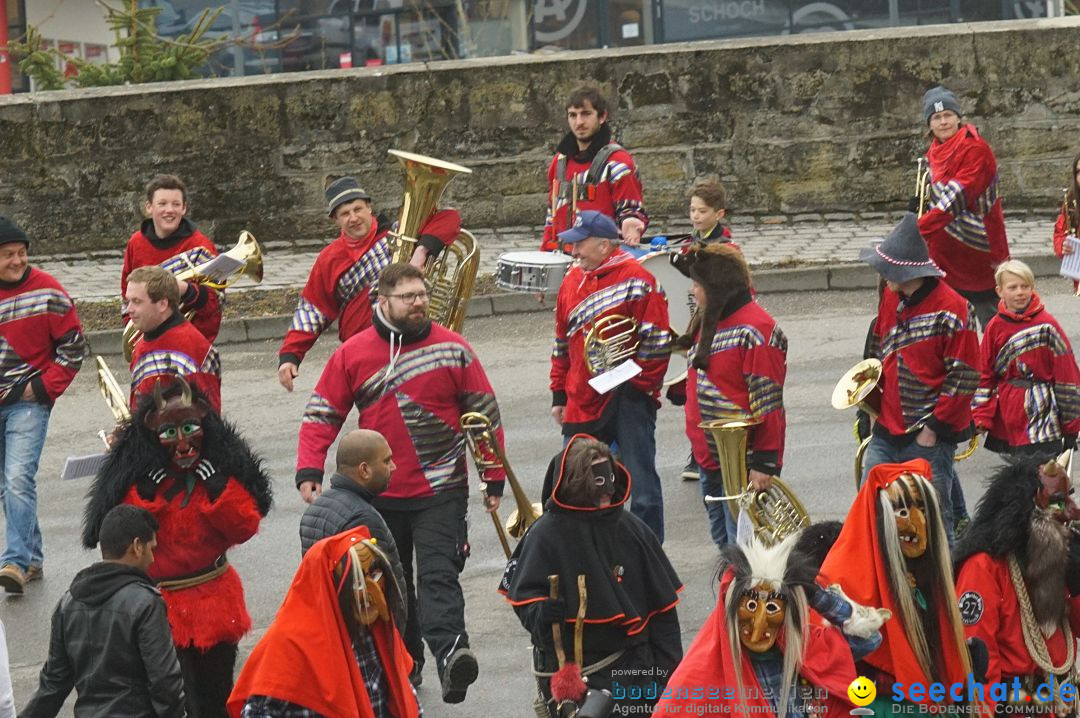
15	12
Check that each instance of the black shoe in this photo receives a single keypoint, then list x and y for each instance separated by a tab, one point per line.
459	672
690	471
416	677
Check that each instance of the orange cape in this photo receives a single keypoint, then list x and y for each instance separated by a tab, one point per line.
306	656
856	562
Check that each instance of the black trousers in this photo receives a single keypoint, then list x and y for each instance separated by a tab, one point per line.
208	679
438	535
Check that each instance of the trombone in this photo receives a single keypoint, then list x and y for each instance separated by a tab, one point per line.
247	258
488	454
114	396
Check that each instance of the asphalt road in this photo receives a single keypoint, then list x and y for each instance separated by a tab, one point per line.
825	332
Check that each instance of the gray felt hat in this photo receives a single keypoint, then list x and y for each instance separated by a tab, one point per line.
902	256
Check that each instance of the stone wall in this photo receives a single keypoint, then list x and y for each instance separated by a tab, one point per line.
827	123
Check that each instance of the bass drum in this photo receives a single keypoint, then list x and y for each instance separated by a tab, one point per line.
681	306
532	272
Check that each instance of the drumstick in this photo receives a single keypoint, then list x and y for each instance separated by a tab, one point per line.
573	200
554	198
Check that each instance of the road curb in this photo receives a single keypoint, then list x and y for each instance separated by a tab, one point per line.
823	277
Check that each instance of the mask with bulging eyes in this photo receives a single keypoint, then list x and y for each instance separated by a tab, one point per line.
909	508
760	616
179	429
1055	493
367	585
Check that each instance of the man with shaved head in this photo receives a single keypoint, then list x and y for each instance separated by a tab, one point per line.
364	465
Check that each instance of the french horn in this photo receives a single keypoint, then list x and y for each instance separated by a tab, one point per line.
612	340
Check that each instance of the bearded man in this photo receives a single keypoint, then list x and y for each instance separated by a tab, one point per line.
1018	583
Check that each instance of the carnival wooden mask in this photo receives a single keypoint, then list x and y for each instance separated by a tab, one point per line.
760	615
178	424
909	507
368	586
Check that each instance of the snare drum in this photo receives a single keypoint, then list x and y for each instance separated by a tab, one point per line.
681	306
532	272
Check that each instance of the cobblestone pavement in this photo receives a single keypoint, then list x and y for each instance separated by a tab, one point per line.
802	240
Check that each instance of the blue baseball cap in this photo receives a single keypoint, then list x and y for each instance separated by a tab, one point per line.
590	223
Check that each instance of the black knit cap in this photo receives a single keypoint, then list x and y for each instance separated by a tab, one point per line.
12	232
342	191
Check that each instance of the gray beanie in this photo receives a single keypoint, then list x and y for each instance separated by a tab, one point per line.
939	99
11	232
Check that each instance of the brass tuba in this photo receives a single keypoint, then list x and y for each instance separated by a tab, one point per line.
487	454
243	260
776	512
451	277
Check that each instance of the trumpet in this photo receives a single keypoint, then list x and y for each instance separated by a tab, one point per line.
488	454
776	512
922	186
612	340
217	273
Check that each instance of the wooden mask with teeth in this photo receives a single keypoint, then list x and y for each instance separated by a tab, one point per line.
909	506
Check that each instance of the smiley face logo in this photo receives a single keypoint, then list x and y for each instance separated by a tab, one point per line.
862	691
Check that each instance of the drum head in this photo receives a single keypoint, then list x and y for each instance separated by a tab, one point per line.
676	286
535	258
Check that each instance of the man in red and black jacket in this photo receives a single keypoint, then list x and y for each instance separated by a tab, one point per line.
412	380
41	349
171	345
964	226
737	367
607	281
925	339
342	281
598	168
169	239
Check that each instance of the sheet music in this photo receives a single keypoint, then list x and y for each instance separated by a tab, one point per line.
220	267
82	467
603	383
1070	263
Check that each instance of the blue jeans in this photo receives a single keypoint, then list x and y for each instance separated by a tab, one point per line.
635	443
941	461
23	426
722	525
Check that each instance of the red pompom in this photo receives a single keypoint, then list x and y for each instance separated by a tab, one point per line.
567	684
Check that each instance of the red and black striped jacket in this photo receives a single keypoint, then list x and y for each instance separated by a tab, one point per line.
929	354
41	340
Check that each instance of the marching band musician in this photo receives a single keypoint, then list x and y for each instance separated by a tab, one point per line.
168	238
607	281
41	350
737	366
1018	581
1028	398
171	345
1068	221
602	173
412	379
708	207
926	342
963	225
343	278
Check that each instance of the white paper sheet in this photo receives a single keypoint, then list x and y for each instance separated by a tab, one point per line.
1070	264
82	467
603	383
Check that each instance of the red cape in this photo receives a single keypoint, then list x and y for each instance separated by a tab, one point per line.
306	655
707	670
857	563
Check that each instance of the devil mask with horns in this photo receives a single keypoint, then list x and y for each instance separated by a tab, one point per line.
178	424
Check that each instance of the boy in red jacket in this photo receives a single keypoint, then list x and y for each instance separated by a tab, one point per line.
167	238
41	350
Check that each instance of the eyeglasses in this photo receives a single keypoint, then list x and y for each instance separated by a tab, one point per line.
410	297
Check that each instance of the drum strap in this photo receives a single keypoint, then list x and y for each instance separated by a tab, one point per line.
586	189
